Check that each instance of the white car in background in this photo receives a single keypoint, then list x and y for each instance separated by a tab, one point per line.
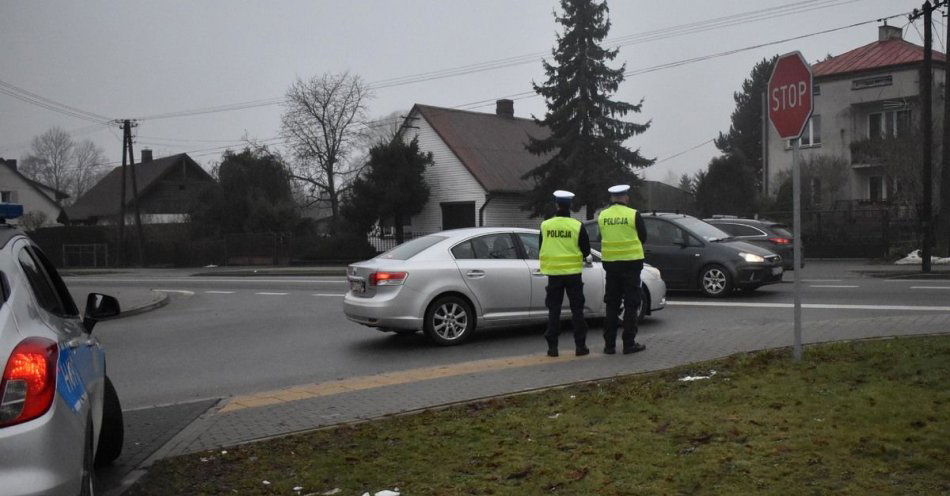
450	283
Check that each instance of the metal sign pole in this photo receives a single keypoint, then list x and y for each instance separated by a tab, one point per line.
797	245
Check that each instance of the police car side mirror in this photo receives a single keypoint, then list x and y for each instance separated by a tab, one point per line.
99	307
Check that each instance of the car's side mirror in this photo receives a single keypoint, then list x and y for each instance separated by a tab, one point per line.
99	307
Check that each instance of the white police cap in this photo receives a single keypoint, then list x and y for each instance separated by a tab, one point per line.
619	189
563	195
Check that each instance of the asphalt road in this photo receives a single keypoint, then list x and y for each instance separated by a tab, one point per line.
225	336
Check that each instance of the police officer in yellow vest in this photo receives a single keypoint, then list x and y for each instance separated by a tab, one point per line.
564	247
622	234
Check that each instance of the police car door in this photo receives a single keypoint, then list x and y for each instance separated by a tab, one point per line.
493	270
80	367
591	274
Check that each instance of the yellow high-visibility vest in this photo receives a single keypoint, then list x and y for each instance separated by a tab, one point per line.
560	254
618	234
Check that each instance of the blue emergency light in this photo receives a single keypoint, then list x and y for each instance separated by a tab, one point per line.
10	211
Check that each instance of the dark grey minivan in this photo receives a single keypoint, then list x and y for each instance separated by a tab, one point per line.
772	236
695	255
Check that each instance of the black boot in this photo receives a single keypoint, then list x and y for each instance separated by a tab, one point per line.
552	348
633	348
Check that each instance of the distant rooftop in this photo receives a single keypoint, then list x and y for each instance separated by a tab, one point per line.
890	50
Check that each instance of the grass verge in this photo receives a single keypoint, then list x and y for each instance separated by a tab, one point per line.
867	417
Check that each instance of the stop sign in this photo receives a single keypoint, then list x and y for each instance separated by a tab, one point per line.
789	96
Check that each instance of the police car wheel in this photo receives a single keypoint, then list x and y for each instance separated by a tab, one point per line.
112	433
715	281
449	321
88	480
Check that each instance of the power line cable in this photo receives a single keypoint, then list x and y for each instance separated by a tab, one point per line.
683	152
48	103
655	35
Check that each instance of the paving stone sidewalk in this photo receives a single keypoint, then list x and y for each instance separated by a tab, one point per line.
215	430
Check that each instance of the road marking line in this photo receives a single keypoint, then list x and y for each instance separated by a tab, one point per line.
832	286
272	294
821	280
179	291
220	292
329	294
248	279
930	287
309	391
819	306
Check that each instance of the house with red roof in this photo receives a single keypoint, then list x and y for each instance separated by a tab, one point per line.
861	98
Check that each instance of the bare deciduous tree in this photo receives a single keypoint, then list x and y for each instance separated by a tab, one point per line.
89	162
50	159
322	122
57	161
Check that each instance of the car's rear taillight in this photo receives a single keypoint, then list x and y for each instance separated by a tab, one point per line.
29	381
780	241
387	278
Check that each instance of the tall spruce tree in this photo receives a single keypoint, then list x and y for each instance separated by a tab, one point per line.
744	138
586	144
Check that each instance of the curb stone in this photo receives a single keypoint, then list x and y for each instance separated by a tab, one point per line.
161	302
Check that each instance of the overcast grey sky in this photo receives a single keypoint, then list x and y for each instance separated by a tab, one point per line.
133	59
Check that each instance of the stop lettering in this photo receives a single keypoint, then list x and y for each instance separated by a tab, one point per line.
790	95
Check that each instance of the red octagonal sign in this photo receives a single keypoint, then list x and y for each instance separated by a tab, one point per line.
789	97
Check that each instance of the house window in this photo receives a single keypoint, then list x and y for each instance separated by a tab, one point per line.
816	89
889	123
811	135
876	188
871	82
6	197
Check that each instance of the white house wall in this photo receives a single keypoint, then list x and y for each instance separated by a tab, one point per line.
448	179
24	194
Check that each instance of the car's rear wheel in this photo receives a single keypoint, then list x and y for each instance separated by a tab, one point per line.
449	320
112	433
715	281
88	487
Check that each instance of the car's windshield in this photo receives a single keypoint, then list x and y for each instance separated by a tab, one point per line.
702	229
412	248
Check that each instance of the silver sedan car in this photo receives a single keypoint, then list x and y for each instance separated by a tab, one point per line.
59	414
449	283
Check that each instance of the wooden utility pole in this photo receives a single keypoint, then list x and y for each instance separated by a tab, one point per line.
943	218
140	238
926	103
120	237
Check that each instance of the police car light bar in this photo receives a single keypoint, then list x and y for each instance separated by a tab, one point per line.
10	211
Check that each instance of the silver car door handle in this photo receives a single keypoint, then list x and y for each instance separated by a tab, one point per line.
537	273
475	274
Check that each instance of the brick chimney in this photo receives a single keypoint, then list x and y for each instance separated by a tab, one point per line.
886	32
146	155
505	108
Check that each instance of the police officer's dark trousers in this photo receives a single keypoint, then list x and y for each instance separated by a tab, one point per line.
573	284
623	284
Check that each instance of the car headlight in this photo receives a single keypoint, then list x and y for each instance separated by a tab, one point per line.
653	271
751	257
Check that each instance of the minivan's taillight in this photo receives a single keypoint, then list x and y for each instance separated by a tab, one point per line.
781	241
29	381
387	278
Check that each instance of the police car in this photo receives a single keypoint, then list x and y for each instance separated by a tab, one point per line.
59	414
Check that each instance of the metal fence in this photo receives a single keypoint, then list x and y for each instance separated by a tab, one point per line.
86	255
855	233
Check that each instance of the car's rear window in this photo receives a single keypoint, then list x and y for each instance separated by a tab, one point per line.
782	231
412	248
